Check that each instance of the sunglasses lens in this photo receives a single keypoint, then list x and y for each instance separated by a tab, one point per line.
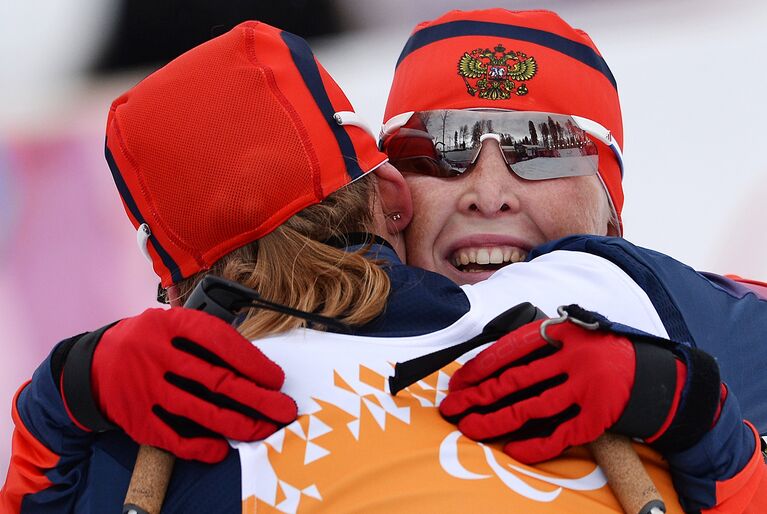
412	150
535	145
426	166
562	162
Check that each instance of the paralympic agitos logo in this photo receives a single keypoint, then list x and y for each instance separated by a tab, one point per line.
496	74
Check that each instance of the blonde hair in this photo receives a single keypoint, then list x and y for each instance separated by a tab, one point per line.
292	266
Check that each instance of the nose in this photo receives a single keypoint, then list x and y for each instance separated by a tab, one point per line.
490	188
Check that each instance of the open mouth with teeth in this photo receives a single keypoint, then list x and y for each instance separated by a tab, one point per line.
483	259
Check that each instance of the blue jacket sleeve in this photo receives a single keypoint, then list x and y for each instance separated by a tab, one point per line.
58	467
724	452
50	453
727	321
715	314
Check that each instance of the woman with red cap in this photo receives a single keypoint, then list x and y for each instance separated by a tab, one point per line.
526	134
520	93
242	158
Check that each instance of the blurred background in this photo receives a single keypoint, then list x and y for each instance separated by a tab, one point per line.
690	73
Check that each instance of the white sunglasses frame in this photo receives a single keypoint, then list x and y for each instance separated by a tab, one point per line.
590	127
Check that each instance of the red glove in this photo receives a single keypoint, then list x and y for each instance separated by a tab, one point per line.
541	399
567	397
178	379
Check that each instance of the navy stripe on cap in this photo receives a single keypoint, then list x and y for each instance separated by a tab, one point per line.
307	66
578	51
122	188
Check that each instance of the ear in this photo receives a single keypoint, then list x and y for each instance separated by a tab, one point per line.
394	195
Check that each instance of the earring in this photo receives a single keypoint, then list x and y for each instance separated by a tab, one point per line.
395	216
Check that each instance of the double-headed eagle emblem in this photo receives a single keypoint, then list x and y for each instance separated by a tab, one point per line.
496	74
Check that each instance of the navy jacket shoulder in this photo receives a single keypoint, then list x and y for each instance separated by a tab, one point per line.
692	306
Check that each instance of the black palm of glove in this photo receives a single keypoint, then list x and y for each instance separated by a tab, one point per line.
540	399
177	379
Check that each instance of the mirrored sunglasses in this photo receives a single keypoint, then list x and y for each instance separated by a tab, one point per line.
535	145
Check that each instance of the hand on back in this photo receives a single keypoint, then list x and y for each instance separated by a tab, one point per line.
185	381
540	399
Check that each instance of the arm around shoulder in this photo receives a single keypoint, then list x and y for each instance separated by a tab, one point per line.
49	451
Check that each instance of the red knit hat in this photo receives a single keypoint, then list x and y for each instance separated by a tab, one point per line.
226	142
516	60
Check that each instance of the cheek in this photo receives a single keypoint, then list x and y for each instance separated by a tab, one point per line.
430	211
571	206
430	198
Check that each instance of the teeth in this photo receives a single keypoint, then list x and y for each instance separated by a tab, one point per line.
487	255
496	256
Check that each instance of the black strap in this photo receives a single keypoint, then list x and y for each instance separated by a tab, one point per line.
223	299
413	370
313	319
700	401
59	357
77	390
652	393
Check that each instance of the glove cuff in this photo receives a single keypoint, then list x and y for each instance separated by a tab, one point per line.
76	388
699	403
652	394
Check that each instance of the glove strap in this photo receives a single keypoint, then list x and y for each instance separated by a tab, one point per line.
700	401
77	388
652	394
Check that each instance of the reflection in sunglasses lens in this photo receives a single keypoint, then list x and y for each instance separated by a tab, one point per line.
536	146
425	166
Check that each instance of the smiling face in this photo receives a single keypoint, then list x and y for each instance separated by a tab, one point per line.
468	227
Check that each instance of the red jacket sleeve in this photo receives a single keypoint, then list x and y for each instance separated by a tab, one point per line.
746	492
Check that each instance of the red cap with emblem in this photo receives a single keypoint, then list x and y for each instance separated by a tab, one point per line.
516	60
226	142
